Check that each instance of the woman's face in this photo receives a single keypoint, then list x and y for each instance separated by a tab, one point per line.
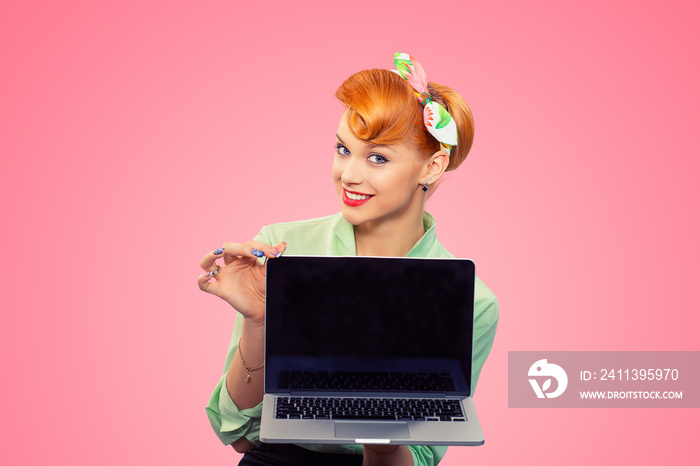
375	183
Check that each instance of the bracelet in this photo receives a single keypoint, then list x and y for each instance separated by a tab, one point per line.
382	454
248	370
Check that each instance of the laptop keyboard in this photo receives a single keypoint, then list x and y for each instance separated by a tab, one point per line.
387	409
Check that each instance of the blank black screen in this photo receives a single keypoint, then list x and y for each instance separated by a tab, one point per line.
369	313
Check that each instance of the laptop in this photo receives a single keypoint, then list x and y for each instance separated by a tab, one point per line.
369	350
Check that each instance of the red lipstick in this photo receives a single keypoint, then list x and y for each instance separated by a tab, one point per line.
354	202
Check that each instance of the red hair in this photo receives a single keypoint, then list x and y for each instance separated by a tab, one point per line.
383	109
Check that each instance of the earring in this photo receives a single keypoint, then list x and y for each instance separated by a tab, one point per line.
425	186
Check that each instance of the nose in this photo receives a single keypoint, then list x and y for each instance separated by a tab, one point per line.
351	172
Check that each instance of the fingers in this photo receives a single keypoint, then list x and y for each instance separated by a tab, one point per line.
234	251
268	251
281	248
252	250
208	263
205	284
230	251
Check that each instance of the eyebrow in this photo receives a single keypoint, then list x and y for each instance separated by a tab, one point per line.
369	146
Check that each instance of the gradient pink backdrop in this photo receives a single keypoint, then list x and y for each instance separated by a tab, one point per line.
137	136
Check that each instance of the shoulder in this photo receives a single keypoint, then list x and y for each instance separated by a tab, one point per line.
320	223
485	305
439	251
302	236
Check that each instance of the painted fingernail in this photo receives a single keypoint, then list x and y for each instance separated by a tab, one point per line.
274	252
209	274
257	253
219	251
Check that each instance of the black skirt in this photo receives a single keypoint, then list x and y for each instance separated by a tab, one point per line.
273	454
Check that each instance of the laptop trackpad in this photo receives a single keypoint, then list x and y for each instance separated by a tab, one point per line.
367	430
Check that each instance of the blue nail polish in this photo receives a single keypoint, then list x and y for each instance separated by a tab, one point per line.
209	274
257	253
219	251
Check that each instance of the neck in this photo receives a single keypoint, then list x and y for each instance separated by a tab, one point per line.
393	237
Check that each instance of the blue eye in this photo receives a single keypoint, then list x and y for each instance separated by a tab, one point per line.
378	159
341	149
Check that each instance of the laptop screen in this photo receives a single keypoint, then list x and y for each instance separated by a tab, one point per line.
369	324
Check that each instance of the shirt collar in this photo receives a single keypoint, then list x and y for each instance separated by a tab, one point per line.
343	230
425	244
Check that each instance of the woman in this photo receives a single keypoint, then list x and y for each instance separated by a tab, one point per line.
396	138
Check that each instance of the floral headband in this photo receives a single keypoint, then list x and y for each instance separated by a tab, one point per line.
443	128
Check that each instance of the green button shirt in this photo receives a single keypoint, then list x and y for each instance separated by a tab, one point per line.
334	236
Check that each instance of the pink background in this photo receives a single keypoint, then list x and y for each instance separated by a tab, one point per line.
139	135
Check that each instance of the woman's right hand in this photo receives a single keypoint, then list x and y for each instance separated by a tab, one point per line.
241	278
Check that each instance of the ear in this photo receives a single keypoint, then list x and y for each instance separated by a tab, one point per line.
435	166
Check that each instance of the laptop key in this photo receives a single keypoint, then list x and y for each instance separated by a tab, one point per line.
365	417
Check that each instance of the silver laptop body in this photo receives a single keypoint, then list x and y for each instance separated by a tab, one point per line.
369	350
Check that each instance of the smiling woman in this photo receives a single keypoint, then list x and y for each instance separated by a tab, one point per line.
385	149
396	138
